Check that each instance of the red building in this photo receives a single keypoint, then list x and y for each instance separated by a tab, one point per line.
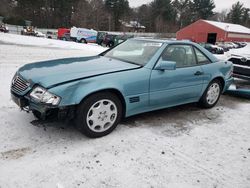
211	32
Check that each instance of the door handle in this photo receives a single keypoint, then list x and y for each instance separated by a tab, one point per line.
198	73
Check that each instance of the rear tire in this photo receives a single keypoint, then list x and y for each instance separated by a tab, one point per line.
99	114
37	114
211	95
83	41
110	44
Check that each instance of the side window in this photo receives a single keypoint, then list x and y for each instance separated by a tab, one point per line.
201	58
183	55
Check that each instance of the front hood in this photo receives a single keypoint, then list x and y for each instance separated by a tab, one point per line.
247	56
242	52
49	73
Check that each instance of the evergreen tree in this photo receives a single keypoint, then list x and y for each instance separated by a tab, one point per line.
6	7
162	15
202	9
162	8
236	13
117	9
246	17
157	16
143	15
183	10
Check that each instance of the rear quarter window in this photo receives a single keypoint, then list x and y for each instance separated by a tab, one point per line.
201	58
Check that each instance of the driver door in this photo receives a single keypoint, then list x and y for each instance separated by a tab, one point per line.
179	86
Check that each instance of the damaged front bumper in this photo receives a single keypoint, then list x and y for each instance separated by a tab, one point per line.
46	111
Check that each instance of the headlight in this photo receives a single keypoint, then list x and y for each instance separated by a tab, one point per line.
40	94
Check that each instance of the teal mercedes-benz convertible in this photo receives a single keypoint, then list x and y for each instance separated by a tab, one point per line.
137	76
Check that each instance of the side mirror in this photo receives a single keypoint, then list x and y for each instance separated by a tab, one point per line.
165	65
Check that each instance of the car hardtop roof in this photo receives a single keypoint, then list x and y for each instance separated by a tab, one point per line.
161	40
209	55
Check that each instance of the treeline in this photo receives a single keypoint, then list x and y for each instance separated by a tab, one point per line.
157	16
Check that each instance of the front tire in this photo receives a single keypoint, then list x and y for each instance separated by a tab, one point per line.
99	114
211	95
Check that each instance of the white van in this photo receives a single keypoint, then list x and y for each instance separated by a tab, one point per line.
83	35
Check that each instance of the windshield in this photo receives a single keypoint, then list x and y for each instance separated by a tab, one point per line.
134	51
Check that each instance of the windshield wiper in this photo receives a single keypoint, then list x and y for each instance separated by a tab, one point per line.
131	62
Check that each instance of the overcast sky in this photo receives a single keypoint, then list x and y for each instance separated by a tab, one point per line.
220	4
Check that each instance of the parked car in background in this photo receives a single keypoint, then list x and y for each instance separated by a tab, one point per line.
243	44
223	45
121	38
106	38
63	34
83	35
237	45
231	45
4	28
137	76
240	44
28	30
51	35
100	37
39	34
241	63
109	40
213	48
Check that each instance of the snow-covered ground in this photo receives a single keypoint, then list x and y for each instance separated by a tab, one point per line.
182	147
49	43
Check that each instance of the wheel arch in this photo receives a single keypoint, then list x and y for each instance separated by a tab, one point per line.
110	90
221	80
202	101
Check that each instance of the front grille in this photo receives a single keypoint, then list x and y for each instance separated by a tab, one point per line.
19	85
238	61
242	71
